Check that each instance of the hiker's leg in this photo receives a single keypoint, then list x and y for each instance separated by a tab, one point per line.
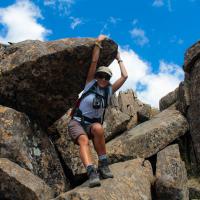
79	136
100	147
85	156
84	150
98	138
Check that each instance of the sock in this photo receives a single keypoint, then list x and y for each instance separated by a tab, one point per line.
102	157
89	167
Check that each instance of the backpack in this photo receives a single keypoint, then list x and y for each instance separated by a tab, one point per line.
92	90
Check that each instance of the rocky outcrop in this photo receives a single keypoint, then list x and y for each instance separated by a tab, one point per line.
186	100
138	111
171	175
132	180
24	143
149	137
192	67
18	183
43	79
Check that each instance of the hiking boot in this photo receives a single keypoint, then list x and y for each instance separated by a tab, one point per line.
104	169
93	177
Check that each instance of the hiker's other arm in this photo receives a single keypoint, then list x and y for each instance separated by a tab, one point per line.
95	58
124	75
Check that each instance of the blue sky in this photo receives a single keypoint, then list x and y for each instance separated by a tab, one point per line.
152	34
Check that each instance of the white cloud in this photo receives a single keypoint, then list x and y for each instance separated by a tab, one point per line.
19	22
150	86
158	3
161	3
114	20
139	36
75	22
63	6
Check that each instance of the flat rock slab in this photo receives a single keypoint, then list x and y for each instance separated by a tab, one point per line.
18	183
168	100
132	180
149	137
43	79
24	143
171	175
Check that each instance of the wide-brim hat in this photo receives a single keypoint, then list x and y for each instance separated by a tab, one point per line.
105	70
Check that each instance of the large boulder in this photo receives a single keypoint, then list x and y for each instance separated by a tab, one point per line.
183	96
24	143
187	152
132	180
18	183
130	105
192	68
171	175
148	138
178	99
43	79
115	122
191	56
168	100
146	113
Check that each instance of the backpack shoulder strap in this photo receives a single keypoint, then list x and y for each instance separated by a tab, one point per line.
89	90
108	94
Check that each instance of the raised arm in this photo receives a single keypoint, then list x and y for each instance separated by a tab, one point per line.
124	75
95	58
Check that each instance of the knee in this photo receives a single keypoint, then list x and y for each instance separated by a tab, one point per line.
83	140
97	129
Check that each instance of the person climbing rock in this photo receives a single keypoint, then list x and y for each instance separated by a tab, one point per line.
87	115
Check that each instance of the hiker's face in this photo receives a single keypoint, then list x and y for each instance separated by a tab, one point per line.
102	82
102	79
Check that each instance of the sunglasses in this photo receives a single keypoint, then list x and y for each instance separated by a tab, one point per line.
103	76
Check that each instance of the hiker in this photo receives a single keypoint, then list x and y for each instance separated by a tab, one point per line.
87	117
